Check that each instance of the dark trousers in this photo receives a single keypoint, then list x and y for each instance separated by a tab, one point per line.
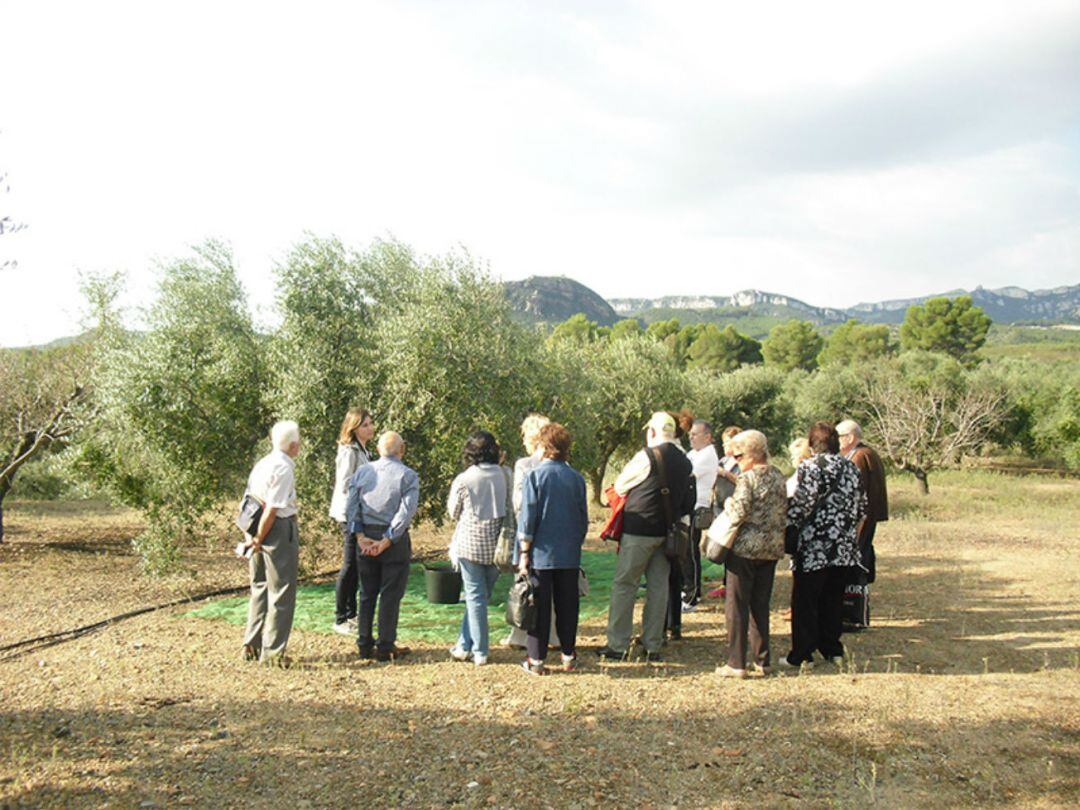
749	588
558	586
383	580
866	549
817	599
347	579
684	582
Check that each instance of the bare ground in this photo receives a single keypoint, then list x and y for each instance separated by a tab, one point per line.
966	691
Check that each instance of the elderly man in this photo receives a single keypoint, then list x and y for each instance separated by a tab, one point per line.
276	551
872	475
383	497
684	586
645	527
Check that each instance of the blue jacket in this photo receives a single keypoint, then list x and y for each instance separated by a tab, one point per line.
554	515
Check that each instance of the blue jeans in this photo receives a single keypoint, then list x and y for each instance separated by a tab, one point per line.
478	581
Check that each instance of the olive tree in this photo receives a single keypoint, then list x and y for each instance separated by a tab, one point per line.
924	412
750	397
451	359
605	394
179	407
40	390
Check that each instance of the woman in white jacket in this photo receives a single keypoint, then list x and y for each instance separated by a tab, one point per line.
356	431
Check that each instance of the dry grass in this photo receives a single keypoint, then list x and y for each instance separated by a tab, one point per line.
964	693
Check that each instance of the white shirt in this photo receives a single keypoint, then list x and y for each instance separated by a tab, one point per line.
273	480
706	465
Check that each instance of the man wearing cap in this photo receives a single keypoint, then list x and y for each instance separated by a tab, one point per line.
641	550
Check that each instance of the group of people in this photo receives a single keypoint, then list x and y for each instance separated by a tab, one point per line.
536	515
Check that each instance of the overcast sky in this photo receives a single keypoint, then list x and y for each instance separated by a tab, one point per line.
836	152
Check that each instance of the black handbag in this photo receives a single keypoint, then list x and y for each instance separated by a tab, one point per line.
677	539
521	604
251	512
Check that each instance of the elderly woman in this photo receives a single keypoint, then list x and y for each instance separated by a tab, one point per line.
757	514
552	522
357	430
530	438
826	510
478	503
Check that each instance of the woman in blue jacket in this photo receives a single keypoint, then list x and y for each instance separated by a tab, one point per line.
552	523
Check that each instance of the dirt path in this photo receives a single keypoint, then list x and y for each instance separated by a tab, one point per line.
964	693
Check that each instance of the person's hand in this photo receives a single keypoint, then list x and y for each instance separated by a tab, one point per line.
366	546
256	543
379	546
523	562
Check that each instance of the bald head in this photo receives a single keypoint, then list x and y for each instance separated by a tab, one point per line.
391	444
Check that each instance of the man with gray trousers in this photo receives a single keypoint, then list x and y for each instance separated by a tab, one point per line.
383	497
645	526
275	549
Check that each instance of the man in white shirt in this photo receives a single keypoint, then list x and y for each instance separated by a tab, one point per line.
706	464
273	565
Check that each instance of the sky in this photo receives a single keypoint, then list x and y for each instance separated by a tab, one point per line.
837	152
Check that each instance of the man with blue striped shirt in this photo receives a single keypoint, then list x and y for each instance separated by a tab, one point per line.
383	497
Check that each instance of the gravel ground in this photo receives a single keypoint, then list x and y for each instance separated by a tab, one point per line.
964	693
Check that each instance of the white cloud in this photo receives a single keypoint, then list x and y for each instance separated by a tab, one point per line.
795	147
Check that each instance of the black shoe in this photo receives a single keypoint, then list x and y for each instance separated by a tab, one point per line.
675	634
392	654
367	652
653	657
611	654
250	653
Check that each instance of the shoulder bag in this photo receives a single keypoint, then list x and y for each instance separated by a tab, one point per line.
677	539
717	542
504	550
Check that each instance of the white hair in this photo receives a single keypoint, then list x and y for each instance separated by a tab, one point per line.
391	444
284	434
849	426
752	442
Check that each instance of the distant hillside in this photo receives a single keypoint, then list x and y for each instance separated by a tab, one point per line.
553	299
1004	305
746	302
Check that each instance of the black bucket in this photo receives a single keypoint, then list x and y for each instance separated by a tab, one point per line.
443	584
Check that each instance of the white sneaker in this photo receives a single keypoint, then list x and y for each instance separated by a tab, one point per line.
459	654
688	608
479	659
785	664
345	629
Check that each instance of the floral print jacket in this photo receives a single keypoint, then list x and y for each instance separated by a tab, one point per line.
827	529
758	507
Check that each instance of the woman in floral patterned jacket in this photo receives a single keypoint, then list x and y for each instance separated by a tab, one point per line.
827	509
756	511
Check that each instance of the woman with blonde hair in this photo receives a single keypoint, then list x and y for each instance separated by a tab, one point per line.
800	451
357	430
530	438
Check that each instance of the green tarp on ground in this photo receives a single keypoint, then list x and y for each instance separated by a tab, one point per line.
422	621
